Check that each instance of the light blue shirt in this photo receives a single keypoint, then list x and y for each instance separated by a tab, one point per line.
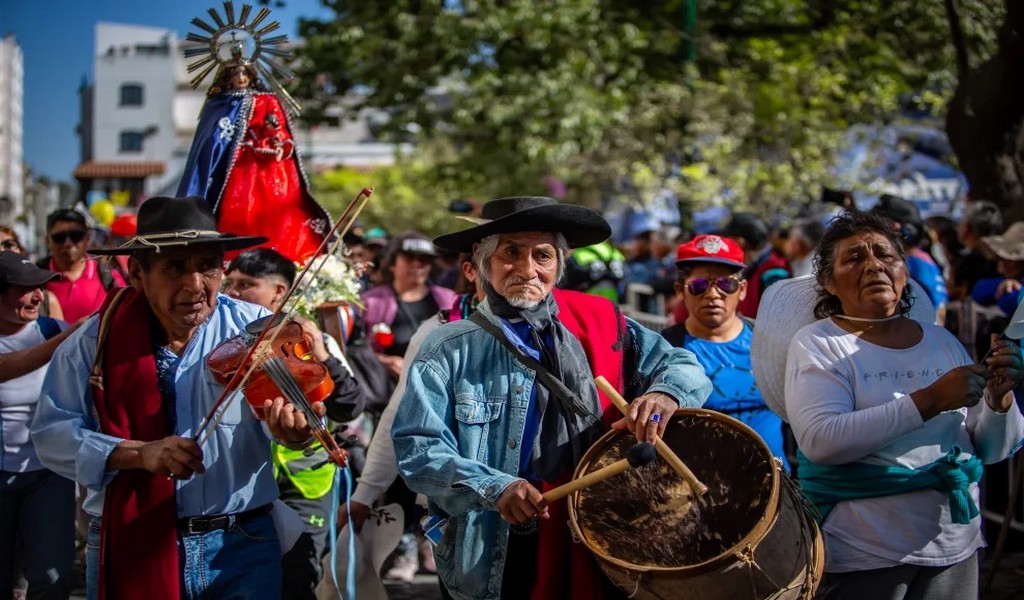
238	476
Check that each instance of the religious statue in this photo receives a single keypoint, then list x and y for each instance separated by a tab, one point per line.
243	158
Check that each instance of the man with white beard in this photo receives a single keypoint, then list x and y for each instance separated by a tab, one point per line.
501	406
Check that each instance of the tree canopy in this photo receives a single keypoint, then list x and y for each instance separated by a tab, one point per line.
745	101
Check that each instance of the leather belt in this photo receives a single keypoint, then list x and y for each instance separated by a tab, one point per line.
197	525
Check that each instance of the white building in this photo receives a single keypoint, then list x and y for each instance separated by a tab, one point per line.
126	125
12	179
140	113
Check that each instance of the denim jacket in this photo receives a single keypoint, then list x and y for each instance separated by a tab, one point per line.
460	424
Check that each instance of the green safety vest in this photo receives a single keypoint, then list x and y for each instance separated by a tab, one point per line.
311	483
607	255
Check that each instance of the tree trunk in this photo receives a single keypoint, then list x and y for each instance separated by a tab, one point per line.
985	120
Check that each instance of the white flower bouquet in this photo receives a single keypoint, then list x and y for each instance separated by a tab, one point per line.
337	281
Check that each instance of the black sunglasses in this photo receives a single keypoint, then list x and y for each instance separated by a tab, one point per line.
75	235
698	286
10	245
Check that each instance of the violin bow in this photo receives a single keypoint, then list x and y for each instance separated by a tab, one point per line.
239	379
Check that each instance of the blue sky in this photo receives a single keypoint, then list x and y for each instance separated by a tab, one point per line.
56	38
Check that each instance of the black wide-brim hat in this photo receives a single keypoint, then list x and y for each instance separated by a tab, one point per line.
165	223
580	226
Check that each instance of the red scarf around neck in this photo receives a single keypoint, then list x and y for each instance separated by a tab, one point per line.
139	543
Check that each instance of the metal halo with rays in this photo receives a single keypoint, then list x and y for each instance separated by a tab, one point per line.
231	42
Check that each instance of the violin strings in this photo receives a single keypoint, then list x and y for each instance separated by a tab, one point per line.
282	377
217	411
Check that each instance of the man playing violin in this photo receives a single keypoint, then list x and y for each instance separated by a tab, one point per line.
503	404
119	411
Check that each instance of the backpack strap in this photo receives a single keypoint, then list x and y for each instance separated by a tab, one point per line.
49	327
675	334
106	278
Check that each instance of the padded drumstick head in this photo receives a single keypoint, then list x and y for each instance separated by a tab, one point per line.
641	454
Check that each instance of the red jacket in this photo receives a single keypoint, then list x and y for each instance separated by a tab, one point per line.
764	271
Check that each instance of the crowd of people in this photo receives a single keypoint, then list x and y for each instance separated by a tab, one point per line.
480	396
171	428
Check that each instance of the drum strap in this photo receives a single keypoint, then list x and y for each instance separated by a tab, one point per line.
549	381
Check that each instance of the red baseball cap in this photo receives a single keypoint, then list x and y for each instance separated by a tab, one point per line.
710	249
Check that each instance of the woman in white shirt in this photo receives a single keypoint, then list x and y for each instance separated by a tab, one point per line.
893	422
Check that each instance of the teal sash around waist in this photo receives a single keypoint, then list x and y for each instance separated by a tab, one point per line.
826	485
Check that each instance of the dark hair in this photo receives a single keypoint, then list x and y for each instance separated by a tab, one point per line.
945	233
750	227
264	262
849	224
14	237
65	215
983	218
904	212
222	82
462	285
811	230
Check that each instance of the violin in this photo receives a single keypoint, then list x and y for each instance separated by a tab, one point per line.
270	359
290	353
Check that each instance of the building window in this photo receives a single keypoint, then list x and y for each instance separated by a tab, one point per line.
131	141
131	94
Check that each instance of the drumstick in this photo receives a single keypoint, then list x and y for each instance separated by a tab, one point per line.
637	456
670	457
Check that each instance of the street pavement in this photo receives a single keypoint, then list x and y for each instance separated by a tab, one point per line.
423	587
1007	585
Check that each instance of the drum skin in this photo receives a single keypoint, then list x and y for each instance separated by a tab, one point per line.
751	536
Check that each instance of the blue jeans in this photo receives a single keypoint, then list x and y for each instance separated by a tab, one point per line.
240	563
92	560
37	531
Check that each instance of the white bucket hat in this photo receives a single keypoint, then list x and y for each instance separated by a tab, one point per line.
785	307
373	544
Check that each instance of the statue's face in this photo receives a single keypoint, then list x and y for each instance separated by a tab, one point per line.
240	78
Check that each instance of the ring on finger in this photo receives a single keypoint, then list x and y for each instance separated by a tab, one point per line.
655	418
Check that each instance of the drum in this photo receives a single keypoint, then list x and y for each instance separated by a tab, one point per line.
751	536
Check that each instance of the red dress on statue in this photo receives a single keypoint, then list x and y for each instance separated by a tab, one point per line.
244	162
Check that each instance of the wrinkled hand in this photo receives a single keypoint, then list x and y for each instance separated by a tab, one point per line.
639	417
963	386
393	364
1005	370
360	513
314	336
288	424
521	503
173	456
1007	286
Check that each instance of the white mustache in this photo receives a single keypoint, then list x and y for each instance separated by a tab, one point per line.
534	282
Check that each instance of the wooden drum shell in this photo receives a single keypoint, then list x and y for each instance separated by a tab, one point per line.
774	550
